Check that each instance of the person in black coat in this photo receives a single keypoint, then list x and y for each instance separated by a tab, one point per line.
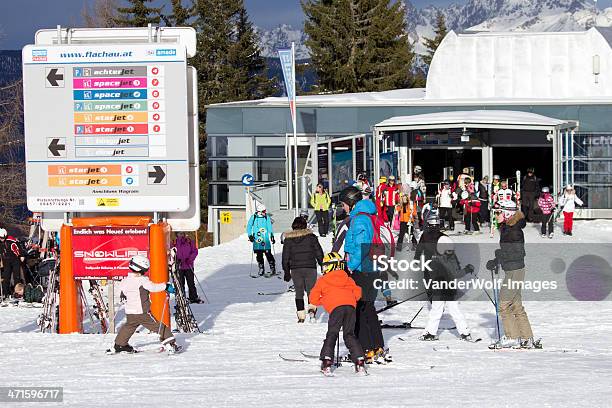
530	190
301	254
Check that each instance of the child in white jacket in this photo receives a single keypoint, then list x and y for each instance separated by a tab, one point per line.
568	204
135	288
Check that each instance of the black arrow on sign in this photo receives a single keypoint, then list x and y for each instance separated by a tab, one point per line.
55	148
53	77
158	174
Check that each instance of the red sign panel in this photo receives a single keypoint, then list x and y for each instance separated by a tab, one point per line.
105	252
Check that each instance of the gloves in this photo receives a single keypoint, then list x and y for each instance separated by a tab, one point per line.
251	238
287	276
312	308
170	288
272	239
469	268
492	264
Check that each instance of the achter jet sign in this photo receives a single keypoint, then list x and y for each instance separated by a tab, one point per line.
106	128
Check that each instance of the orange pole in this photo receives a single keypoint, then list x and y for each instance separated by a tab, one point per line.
70	318
159	236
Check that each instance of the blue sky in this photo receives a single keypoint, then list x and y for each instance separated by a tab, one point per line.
20	19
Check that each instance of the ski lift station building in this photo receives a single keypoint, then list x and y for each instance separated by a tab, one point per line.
495	102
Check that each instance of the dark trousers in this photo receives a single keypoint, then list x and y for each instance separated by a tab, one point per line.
484	211
548	223
528	204
259	255
342	317
322	221
446	214
367	327
390	211
404	229
471	221
12	269
187	274
303	281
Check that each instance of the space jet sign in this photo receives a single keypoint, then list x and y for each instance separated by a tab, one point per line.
105	252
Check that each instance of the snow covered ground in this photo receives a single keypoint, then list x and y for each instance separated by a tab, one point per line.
236	364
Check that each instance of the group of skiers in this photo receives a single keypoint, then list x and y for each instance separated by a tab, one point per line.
11	259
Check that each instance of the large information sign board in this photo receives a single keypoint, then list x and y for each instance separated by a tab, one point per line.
106	127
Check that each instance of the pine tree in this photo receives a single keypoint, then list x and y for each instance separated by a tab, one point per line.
229	63
180	14
432	44
138	14
358	45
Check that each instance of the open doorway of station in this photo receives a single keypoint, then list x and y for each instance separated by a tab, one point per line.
507	160
439	164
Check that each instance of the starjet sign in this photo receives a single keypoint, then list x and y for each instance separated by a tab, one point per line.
383	264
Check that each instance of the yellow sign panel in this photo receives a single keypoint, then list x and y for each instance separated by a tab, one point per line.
107	202
226	217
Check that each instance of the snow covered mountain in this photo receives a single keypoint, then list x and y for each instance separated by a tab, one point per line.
281	37
481	15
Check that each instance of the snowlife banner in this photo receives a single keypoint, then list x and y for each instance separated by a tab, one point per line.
105	252
288	65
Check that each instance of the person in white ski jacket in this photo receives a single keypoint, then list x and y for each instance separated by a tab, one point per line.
135	288
568	205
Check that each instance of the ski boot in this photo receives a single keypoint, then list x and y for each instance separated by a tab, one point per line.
382	356
301	315
124	349
465	337
390	301
312	315
551	235
543	235
326	366
262	269
504	343
171	347
360	367
530	343
196	301
369	356
273	269
428	337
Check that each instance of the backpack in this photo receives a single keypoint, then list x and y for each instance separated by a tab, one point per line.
383	241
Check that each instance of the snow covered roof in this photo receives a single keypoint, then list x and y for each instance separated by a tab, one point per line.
363	98
474	119
548	65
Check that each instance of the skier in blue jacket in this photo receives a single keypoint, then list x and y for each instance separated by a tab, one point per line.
357	242
260	233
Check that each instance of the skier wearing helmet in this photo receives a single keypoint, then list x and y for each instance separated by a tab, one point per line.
511	257
338	294
445	268
546	202
136	288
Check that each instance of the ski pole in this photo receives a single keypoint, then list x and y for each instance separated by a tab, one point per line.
415	316
496	300
204	293
338	351
161	320
251	267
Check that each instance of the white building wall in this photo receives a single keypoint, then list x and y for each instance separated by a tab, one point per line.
520	65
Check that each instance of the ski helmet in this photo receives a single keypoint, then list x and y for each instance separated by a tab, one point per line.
382	179
350	196
391	178
464	195
304	214
332	261
496	177
418	169
3	233
545	189
139	264
259	207
362	177
508	208
444	245
466	170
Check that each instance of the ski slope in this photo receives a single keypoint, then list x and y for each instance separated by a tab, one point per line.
236	364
